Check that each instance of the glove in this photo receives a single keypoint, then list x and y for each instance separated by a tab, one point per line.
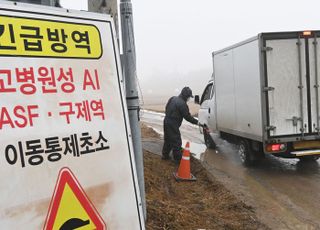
201	125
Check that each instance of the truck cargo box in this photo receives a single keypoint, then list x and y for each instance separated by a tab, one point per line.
266	89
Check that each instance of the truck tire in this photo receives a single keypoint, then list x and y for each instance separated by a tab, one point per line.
245	152
208	139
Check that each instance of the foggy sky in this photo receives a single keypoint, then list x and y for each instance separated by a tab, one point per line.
175	38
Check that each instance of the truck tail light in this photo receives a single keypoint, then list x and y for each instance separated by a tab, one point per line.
275	147
306	33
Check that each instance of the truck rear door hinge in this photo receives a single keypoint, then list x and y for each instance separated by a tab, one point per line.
266	89
267	48
270	128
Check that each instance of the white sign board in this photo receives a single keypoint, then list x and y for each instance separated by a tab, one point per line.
62	108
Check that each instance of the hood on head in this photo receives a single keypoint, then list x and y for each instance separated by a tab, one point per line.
186	93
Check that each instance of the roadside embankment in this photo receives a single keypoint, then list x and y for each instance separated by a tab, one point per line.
204	204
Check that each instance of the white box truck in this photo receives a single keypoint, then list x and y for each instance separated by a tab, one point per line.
264	94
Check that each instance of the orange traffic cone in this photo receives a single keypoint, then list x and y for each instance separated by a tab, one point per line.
184	167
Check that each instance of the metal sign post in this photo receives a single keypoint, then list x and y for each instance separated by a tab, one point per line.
129	71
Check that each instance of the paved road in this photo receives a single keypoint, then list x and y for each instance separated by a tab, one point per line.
285	193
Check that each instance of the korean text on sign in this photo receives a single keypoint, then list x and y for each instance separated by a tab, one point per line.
34	152
42	38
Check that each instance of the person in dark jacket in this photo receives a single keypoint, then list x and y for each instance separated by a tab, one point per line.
176	110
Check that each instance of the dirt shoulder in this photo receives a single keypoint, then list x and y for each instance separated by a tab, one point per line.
204	204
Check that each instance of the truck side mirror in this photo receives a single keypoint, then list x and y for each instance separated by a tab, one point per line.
197	99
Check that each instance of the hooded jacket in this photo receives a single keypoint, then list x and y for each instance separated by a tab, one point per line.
177	109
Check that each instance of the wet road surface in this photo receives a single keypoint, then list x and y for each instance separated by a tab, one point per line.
285	193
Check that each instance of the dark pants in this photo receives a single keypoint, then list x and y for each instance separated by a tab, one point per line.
172	140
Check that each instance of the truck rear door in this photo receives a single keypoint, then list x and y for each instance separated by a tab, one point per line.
314	63
292	100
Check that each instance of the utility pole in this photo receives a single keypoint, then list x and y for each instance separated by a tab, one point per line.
132	96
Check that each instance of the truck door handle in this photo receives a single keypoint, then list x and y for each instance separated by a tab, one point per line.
209	110
294	120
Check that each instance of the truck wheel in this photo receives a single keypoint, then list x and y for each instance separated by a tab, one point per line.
208	139
245	153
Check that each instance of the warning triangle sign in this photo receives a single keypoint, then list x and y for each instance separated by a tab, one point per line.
70	208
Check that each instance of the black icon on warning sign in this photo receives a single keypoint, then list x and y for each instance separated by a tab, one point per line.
74	223
1	29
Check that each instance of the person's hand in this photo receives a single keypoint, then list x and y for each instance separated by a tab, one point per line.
201	125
